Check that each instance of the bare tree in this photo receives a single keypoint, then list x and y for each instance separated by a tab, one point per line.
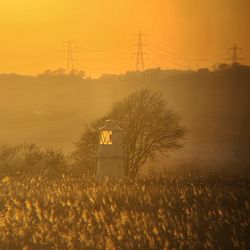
149	127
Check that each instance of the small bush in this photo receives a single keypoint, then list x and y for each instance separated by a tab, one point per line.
30	159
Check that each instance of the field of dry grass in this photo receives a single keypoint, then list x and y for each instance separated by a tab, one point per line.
174	212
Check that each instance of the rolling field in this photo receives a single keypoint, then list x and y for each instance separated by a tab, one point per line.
174	212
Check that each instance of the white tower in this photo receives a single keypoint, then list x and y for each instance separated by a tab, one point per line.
110	153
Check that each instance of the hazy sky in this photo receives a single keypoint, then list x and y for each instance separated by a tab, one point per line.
180	33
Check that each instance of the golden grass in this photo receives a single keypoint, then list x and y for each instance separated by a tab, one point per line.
174	212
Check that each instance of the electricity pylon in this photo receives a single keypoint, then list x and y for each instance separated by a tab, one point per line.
70	55
140	66
235	55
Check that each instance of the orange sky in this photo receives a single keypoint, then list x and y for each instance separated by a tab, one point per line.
181	33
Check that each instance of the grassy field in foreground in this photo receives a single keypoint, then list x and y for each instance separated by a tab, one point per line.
174	212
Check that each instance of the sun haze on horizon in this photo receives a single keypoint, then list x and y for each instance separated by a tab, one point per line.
180	34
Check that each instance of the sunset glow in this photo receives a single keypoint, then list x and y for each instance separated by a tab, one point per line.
180	34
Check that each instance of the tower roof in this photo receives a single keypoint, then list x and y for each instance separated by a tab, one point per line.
110	125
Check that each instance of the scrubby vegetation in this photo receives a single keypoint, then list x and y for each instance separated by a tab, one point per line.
31	160
172	212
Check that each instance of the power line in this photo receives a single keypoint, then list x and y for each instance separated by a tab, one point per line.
181	57
166	59
121	56
109	50
118	57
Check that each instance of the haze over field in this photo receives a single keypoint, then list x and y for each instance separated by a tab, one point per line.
52	110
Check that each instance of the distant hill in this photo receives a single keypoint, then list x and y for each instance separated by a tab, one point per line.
50	110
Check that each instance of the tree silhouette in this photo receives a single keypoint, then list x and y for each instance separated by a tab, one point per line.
149	127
